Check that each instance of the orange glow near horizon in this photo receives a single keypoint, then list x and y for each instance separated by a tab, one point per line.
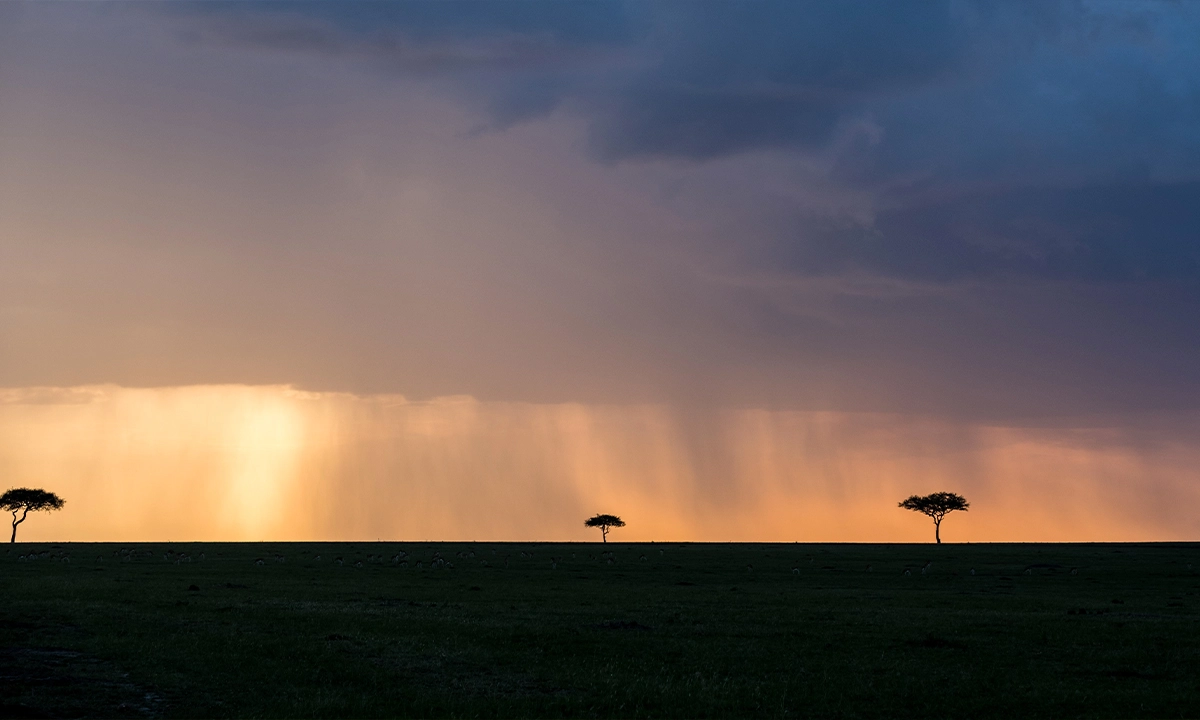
245	463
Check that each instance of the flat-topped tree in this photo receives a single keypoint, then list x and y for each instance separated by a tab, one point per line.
23	500
604	522
936	505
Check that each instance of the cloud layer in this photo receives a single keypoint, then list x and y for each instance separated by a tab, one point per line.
972	209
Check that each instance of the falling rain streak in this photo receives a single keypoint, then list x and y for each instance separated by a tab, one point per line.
273	463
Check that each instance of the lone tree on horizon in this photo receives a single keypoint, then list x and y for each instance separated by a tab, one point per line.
936	505
604	522
22	500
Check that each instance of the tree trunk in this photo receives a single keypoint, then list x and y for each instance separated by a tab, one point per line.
17	522
937	532
604	534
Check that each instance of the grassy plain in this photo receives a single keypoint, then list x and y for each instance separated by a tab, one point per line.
557	630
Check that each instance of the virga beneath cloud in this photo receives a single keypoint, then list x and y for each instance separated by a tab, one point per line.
272	463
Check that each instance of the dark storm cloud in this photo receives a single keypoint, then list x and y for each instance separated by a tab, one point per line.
411	37
1115	232
734	77
1050	139
984	208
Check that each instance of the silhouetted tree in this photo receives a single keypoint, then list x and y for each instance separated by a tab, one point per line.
22	500
936	506
604	522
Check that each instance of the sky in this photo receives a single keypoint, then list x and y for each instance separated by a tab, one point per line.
735	270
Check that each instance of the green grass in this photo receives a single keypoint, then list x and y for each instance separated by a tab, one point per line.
693	630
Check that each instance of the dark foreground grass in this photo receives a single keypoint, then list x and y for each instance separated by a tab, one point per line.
626	630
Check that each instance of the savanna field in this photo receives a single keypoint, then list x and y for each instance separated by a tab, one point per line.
591	630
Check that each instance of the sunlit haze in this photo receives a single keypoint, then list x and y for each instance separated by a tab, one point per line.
732	271
256	463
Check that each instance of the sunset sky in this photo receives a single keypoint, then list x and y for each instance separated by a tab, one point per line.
730	270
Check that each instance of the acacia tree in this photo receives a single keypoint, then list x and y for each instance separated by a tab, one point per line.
23	500
936	506
604	522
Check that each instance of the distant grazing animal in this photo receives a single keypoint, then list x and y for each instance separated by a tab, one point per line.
260	561
358	564
908	572
642	558
795	571
339	561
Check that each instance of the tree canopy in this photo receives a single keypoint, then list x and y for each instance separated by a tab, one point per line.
26	500
936	505
604	522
